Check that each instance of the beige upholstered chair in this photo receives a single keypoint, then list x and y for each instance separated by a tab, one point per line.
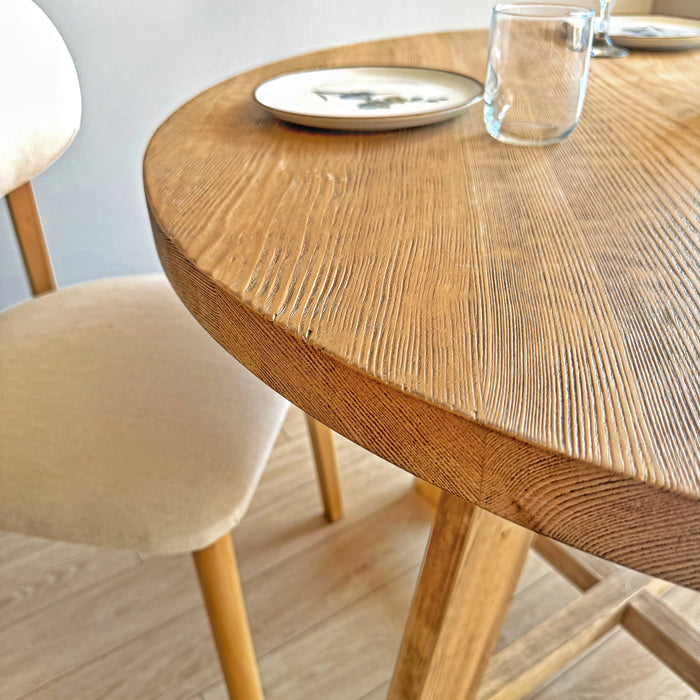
122	423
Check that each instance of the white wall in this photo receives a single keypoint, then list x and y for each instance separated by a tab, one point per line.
137	61
678	8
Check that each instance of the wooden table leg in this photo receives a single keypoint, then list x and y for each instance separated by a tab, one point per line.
428	491
470	571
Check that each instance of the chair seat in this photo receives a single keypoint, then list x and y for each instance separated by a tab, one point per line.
39	93
123	424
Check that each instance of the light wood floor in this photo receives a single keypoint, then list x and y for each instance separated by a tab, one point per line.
327	603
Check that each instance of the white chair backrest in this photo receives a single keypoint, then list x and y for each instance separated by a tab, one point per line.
40	104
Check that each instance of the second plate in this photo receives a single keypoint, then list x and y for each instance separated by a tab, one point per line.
655	32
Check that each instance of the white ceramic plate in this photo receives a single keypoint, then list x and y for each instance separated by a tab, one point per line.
368	98
654	32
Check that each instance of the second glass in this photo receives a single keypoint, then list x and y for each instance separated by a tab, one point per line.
602	46
537	72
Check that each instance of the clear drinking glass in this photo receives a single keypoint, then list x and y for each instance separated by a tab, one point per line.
537	72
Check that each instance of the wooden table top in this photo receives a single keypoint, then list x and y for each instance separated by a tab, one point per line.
520	326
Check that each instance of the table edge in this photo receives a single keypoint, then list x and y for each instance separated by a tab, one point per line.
474	463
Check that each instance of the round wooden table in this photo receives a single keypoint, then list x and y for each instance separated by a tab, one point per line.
517	326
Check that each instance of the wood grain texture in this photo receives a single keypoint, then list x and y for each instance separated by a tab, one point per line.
522	666
667	635
520	327
663	631
169	662
103	616
615	669
469	574
428	491
30	236
48	571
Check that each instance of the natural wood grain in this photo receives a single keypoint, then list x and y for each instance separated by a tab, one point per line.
468	578
327	469
349	655
617	668
664	632
518	326
567	563
536	656
428	491
283	524
102	617
667	635
172	661
30	236
223	595
49	571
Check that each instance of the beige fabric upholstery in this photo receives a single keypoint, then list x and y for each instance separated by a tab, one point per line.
122	423
39	94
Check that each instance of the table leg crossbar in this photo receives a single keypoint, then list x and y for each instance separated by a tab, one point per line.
643	614
612	595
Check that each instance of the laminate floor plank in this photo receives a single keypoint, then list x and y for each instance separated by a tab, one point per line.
533	570
293	521
528	607
215	692
617	668
174	660
280	478
82	626
50	571
535	573
14	545
379	693
322	580
384	623
347	655
294	424
686	602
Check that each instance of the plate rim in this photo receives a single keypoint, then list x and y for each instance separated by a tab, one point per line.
650	40
369	118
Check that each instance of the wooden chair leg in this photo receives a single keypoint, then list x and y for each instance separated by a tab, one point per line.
221	588
327	468
471	568
30	236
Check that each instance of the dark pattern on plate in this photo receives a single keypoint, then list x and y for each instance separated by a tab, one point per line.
373	100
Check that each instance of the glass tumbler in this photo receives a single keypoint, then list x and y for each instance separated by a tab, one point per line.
537	72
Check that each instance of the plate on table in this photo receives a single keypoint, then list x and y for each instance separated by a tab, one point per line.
368	98
655	32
